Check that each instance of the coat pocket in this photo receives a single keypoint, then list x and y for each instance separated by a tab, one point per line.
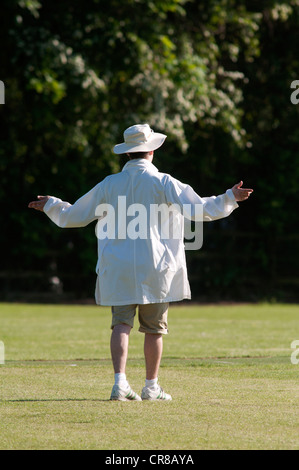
101	266
167	261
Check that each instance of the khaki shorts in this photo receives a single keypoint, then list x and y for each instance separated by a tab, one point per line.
152	317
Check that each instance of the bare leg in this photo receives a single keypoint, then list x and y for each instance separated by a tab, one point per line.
119	346
153	347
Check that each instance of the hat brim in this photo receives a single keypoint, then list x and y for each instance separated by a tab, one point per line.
154	143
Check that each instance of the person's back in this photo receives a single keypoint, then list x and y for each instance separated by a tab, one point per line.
140	258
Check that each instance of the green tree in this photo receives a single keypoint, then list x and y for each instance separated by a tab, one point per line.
210	74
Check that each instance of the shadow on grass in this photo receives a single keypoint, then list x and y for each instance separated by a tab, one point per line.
139	361
22	400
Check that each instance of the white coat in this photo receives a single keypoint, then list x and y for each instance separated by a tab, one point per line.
139	265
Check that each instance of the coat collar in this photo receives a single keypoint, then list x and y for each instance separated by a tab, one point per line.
140	163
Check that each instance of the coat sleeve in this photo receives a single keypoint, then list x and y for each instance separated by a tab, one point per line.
80	214
199	208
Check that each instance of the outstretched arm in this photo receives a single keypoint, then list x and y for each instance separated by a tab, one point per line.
67	215
213	207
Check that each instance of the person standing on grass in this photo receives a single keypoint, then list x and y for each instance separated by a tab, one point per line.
139	268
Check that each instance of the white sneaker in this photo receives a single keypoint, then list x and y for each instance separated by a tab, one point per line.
155	393
124	394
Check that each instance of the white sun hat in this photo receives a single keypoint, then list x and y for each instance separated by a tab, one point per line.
140	138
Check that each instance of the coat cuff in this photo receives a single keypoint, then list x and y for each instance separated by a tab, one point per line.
230	194
50	202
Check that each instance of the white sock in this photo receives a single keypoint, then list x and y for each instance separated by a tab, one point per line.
120	379
151	383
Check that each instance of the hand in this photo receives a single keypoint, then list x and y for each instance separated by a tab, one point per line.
39	204
241	193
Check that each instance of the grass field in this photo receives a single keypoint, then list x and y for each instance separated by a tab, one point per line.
227	368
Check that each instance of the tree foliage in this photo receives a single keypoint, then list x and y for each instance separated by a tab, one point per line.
213	75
